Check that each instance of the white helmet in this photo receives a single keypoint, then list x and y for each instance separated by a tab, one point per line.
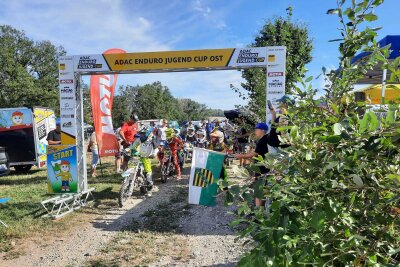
191	131
201	136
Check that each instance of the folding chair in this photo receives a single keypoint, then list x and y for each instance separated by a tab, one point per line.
4	200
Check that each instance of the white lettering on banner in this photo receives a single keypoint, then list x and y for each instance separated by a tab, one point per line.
276	68
106	125
105	94
105	83
105	106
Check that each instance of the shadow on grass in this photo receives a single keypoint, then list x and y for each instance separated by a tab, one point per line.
16	211
25	179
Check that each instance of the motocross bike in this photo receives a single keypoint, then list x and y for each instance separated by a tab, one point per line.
134	177
167	165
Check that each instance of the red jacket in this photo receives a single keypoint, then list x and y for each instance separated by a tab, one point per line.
175	144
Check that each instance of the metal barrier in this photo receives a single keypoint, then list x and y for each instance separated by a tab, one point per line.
62	205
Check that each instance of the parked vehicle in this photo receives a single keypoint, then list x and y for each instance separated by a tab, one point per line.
4	162
23	132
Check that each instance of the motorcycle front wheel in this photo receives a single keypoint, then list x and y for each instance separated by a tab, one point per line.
124	191
164	173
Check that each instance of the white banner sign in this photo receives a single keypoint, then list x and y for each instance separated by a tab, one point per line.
67	96
276	75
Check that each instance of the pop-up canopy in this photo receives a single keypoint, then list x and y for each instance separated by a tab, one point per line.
375	76
378	75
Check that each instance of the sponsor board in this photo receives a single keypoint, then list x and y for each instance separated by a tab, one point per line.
67	95
192	59
276	68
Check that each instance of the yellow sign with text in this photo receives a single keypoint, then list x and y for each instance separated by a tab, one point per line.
170	60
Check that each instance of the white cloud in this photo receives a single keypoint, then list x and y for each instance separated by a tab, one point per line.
214	18
89	26
83	26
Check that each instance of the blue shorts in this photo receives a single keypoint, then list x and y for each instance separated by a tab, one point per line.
64	183
95	158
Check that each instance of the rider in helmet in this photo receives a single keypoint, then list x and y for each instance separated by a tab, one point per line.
217	139
201	138
191	134
142	144
174	144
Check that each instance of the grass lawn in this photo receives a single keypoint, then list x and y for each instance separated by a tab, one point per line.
23	212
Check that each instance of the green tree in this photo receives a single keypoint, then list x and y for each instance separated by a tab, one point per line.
87	105
120	113
190	110
155	101
150	101
280	31
335	192
28	70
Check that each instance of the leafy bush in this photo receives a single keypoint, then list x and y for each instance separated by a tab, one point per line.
335	196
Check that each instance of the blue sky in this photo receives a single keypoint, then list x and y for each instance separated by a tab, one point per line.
91	27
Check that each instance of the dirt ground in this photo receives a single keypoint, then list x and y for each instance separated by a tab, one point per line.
162	230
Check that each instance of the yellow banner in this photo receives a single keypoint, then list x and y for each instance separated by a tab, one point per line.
170	60
41	114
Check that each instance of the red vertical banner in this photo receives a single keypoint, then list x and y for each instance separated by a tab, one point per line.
101	95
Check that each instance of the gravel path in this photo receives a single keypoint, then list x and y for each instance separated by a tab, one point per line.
212	241
206	230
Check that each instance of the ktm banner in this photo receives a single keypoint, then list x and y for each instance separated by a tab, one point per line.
101	94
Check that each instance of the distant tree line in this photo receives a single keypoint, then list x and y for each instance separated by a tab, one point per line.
154	101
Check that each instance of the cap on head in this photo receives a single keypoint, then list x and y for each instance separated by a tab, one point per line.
287	100
17	113
262	126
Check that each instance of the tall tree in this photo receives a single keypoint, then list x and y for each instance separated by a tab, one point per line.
280	31
192	111
155	101
28	70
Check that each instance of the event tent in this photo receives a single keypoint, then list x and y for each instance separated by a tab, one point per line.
373	93
378	75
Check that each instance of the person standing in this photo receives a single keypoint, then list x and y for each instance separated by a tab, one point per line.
118	155
127	132
209	128
243	140
261	134
54	136
95	154
161	138
280	120
175	144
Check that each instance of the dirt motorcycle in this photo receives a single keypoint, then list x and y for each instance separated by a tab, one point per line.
167	165
134	178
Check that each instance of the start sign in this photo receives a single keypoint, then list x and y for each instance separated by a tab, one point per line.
227	58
